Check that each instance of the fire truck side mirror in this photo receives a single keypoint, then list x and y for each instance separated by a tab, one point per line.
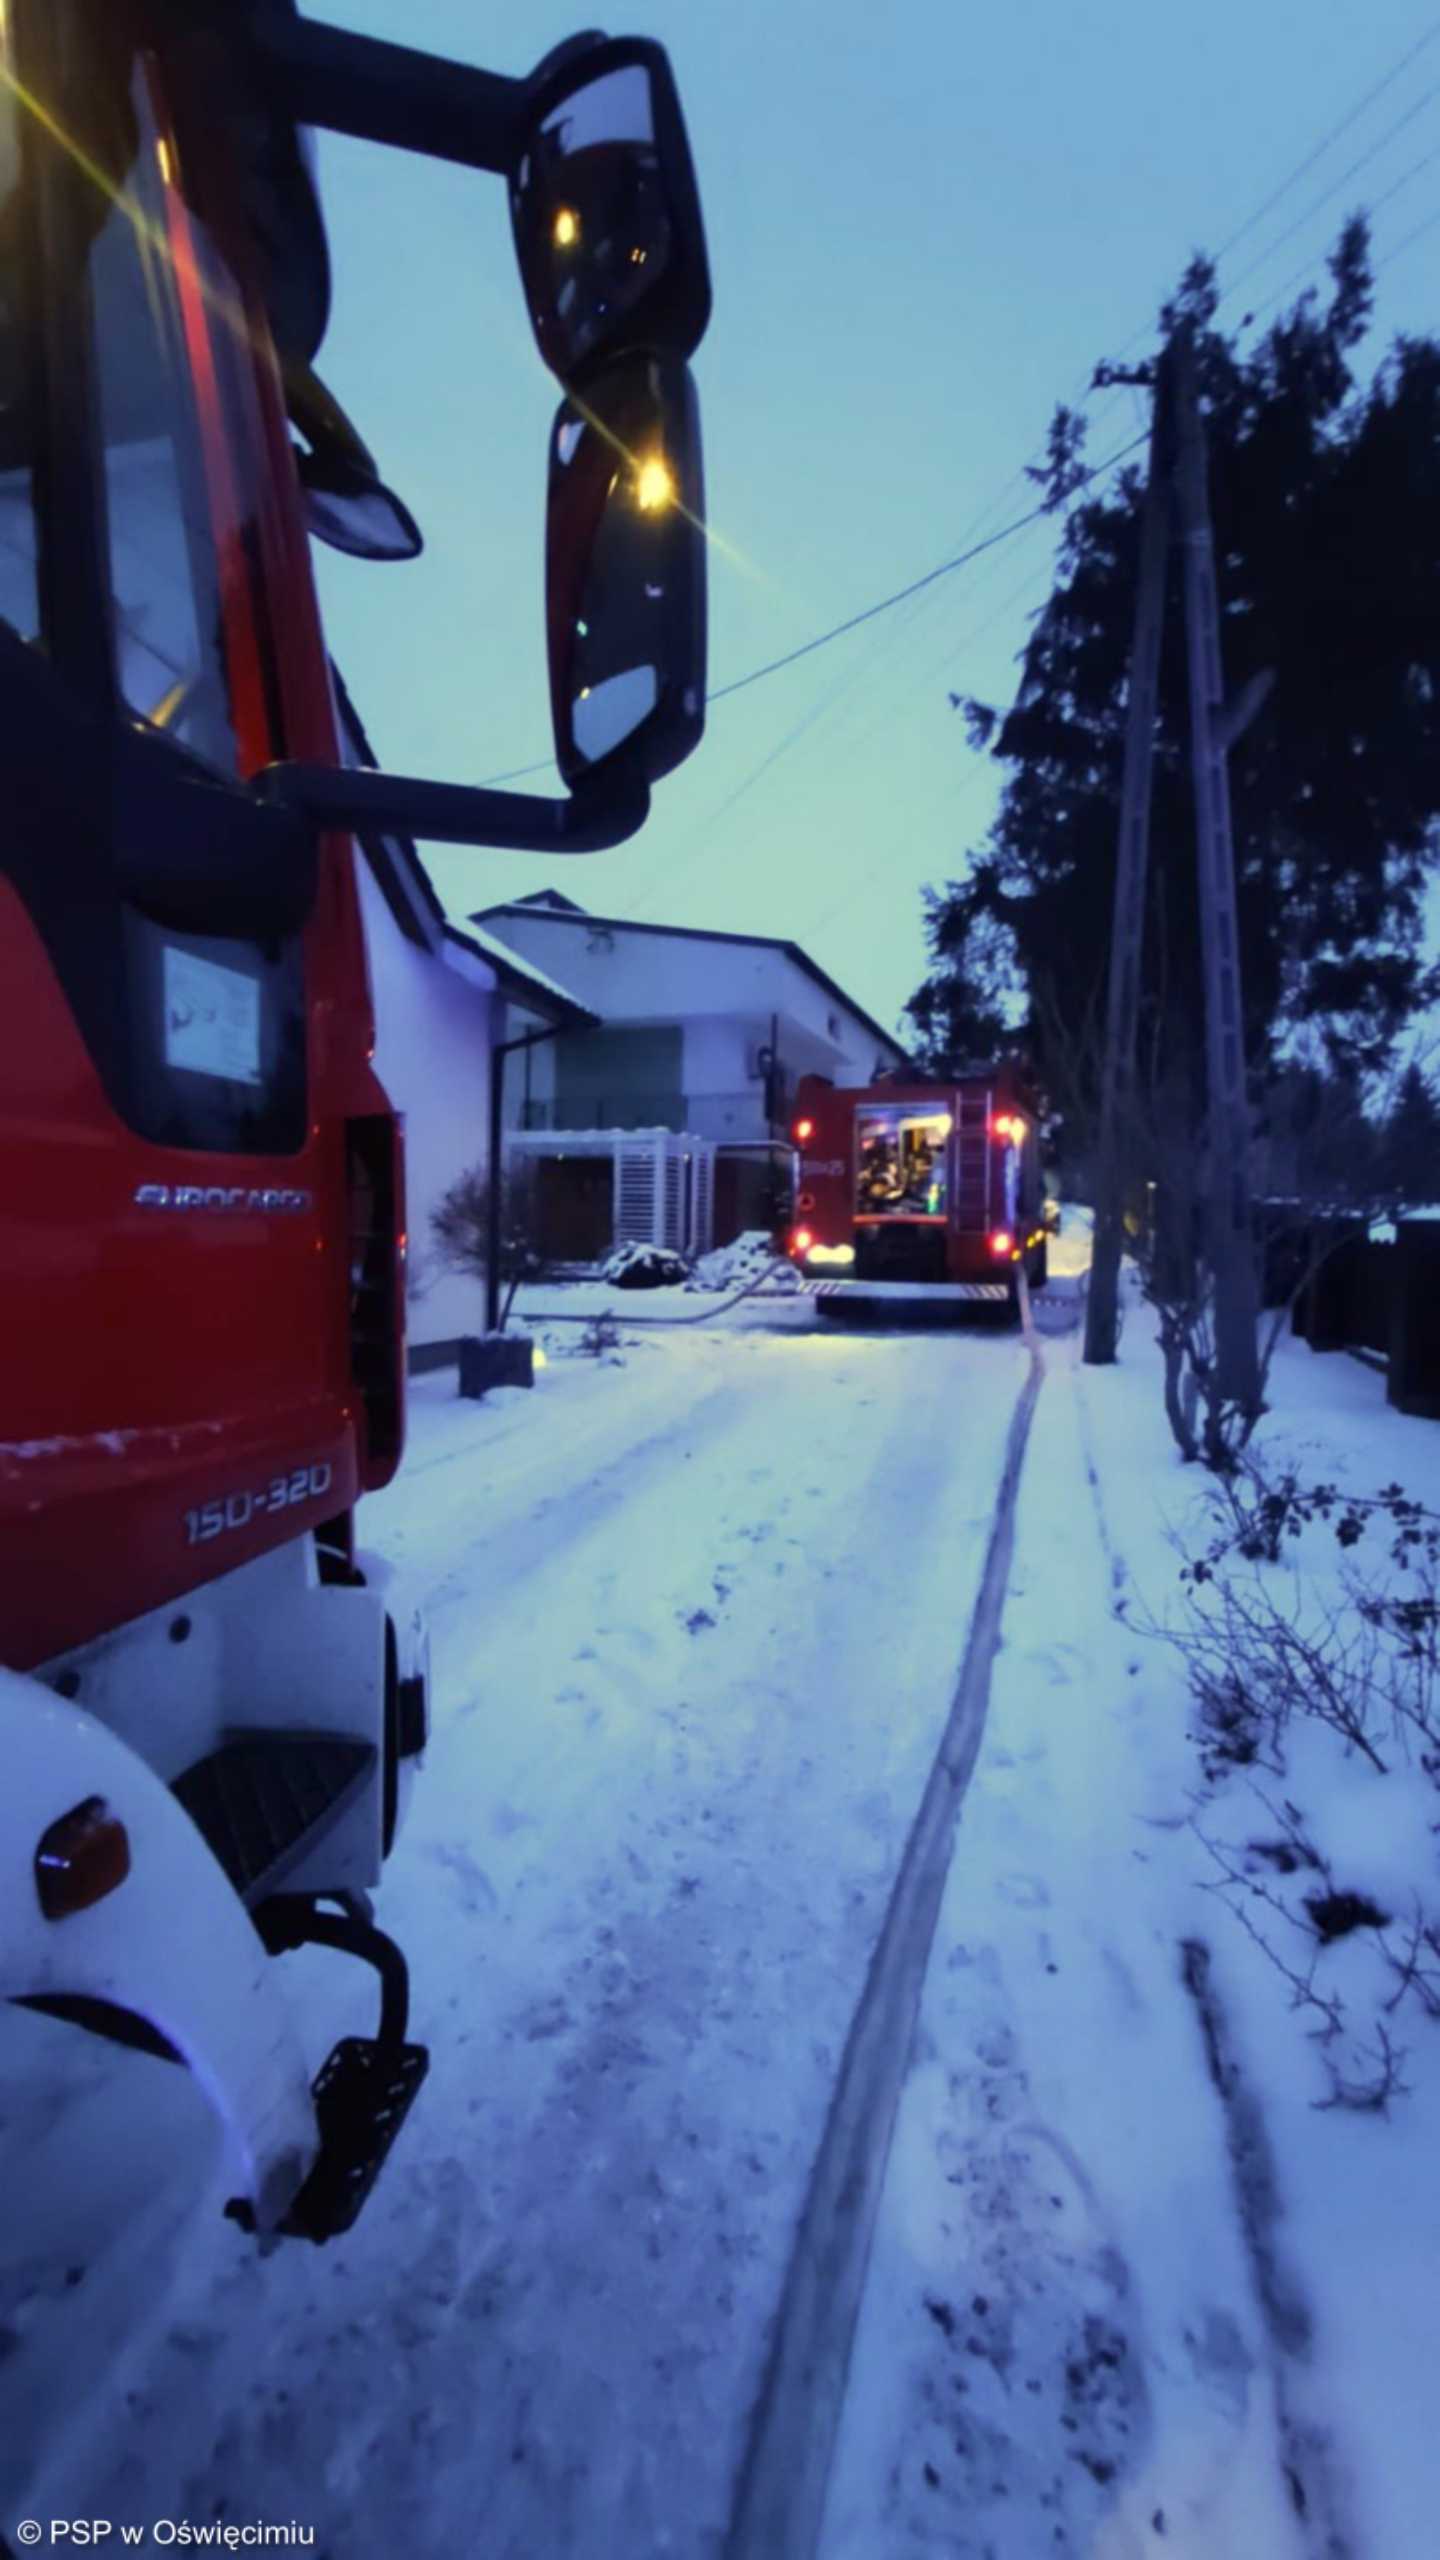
625	573
605	209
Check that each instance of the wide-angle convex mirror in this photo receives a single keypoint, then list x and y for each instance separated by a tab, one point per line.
625	601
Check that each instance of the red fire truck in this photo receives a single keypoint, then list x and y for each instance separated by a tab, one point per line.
914	1194
210	1709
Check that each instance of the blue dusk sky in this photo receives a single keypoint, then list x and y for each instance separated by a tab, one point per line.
926	223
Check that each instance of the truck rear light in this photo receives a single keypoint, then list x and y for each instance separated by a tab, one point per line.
806	1200
803	1129
801	1241
82	1857
1001	1243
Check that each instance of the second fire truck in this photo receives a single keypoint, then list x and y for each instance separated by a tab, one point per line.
911	1193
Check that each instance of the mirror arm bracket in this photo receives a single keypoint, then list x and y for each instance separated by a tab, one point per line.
361	801
391	93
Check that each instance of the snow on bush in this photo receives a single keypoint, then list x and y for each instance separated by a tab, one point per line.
1317	1680
750	1259
645	1266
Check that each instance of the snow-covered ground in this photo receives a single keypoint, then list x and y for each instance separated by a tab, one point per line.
695	1621
1107	2312
697	1609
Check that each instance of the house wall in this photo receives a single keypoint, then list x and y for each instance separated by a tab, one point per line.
432	1053
723	998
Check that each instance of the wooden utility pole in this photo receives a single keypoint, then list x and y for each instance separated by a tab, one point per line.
1127	932
1232	1242
1177	509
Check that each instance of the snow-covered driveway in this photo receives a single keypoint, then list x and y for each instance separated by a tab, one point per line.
696	1624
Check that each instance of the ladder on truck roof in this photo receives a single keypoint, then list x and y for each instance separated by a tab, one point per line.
972	1160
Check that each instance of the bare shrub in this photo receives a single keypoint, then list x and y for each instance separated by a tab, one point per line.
1367	1662
601	1337
1263	1647
460	1227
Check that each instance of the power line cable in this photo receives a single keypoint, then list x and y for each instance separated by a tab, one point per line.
1307	164
1034	513
1429	223
852	623
1331	191
1268	204
1276	196
869	613
920	697
946	799
1298	274
674	870
952	791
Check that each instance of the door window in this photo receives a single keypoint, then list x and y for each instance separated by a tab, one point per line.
900	1163
184	610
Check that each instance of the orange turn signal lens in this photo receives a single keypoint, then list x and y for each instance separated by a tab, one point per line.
82	1857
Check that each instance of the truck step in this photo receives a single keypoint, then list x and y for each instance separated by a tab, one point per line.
362	2096
261	1800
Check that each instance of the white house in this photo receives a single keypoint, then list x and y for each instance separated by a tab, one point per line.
444	996
701	1034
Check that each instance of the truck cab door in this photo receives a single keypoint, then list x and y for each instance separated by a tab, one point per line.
139	684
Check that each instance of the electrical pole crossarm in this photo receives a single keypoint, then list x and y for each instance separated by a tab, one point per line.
1108	377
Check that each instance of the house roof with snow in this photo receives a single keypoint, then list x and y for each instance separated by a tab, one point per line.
550	903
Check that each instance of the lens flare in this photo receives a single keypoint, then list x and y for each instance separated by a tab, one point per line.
655	485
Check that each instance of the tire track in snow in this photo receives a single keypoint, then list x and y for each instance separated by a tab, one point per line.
780	2499
1304	2451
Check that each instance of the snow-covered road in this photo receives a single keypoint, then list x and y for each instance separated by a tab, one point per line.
697	1617
696	1623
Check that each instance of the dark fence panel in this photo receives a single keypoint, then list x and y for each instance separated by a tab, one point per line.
1415	1333
1365	1294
